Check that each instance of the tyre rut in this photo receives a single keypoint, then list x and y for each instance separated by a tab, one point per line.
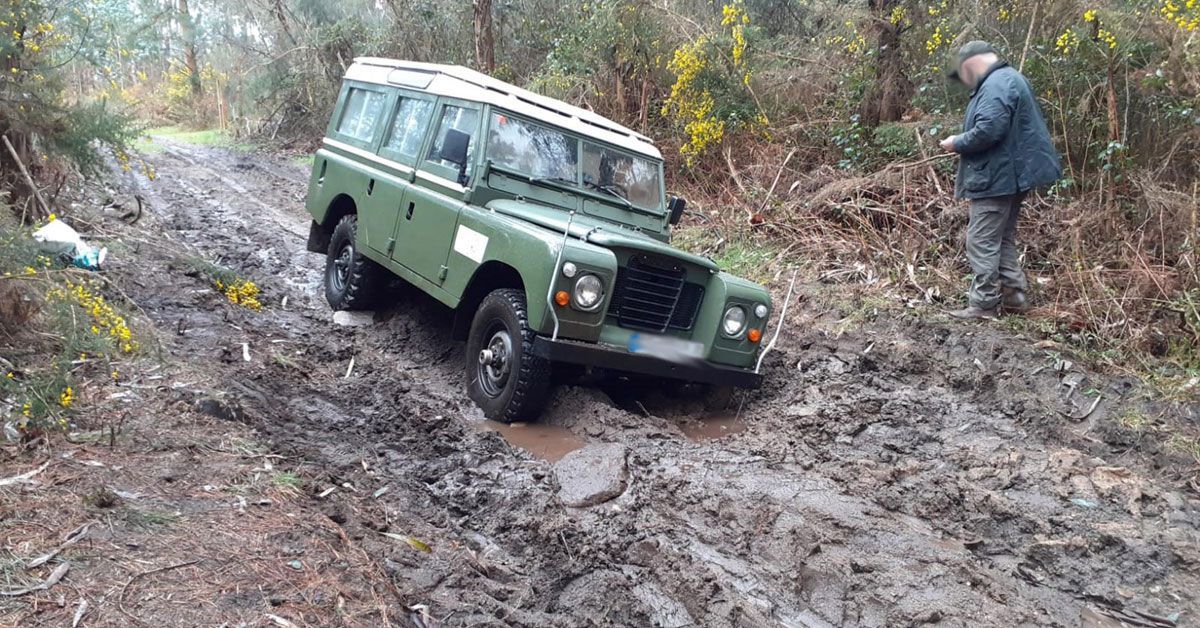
881	479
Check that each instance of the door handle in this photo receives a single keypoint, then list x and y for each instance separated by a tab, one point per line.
371	187
411	206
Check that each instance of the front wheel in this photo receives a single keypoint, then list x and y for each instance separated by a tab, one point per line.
506	380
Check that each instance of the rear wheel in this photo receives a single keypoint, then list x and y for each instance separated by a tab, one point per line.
352	281
506	380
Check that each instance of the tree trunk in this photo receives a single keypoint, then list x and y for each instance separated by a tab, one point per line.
889	95
187	28
485	45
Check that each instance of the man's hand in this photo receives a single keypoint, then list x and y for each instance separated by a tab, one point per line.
948	144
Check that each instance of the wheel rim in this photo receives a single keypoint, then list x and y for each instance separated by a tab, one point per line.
340	273
495	361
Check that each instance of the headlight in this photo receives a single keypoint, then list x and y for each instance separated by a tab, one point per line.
761	310
589	292
734	322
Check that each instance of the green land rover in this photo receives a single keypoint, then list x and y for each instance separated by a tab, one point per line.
544	226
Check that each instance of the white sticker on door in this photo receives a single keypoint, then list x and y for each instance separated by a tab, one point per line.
470	244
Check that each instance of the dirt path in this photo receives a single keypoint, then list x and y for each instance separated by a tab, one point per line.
905	472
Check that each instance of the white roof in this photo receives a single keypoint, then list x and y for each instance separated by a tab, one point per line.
454	81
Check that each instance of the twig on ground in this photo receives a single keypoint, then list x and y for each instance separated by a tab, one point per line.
125	589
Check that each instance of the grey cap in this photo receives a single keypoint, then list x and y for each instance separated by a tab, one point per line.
968	50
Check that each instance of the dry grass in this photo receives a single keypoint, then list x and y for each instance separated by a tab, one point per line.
1113	275
169	544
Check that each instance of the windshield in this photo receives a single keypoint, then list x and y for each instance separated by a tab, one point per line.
632	178
532	149
545	153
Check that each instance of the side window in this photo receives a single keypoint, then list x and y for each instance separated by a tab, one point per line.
361	115
459	119
408	128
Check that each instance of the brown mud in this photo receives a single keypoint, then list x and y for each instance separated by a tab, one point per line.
908	471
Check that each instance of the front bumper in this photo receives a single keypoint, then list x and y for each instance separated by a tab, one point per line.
589	354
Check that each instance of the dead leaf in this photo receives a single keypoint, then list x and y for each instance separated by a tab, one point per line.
416	544
79	612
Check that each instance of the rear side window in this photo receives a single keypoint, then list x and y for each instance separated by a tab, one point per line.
460	119
408	129
360	117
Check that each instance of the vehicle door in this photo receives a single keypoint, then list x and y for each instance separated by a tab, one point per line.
356	134
433	201
399	151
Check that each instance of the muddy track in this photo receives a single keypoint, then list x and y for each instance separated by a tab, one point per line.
906	472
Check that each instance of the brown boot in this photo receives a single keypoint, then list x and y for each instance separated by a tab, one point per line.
974	313
1014	301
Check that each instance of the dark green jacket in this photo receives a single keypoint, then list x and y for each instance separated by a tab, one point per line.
1005	145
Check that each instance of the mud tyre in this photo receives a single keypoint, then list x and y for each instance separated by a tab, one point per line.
352	281
504	378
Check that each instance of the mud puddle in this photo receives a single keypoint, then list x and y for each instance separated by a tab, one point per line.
835	509
713	426
547	442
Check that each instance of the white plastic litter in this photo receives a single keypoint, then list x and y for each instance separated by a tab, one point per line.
58	238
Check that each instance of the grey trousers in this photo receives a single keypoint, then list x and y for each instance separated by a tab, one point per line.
992	249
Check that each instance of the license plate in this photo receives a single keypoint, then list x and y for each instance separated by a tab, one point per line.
666	347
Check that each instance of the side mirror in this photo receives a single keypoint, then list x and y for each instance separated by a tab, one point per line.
676	206
454	150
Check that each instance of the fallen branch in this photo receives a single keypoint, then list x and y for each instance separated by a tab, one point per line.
24	477
28	179
55	576
733	172
932	173
72	538
774	183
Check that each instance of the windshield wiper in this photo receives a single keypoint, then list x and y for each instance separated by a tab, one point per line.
569	182
610	190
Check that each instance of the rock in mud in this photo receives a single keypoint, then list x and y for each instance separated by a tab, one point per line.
353	319
591	475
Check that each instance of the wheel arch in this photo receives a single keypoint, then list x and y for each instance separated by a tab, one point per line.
492	275
321	231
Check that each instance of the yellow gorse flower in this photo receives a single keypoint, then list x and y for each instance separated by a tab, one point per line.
241	292
67	397
1184	14
1067	42
106	321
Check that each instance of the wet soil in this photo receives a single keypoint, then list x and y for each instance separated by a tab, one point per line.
910	470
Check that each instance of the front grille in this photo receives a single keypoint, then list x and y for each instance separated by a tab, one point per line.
652	295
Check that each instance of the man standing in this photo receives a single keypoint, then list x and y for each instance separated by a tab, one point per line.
1005	151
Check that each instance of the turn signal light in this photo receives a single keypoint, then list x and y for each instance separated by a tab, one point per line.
754	335
562	298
